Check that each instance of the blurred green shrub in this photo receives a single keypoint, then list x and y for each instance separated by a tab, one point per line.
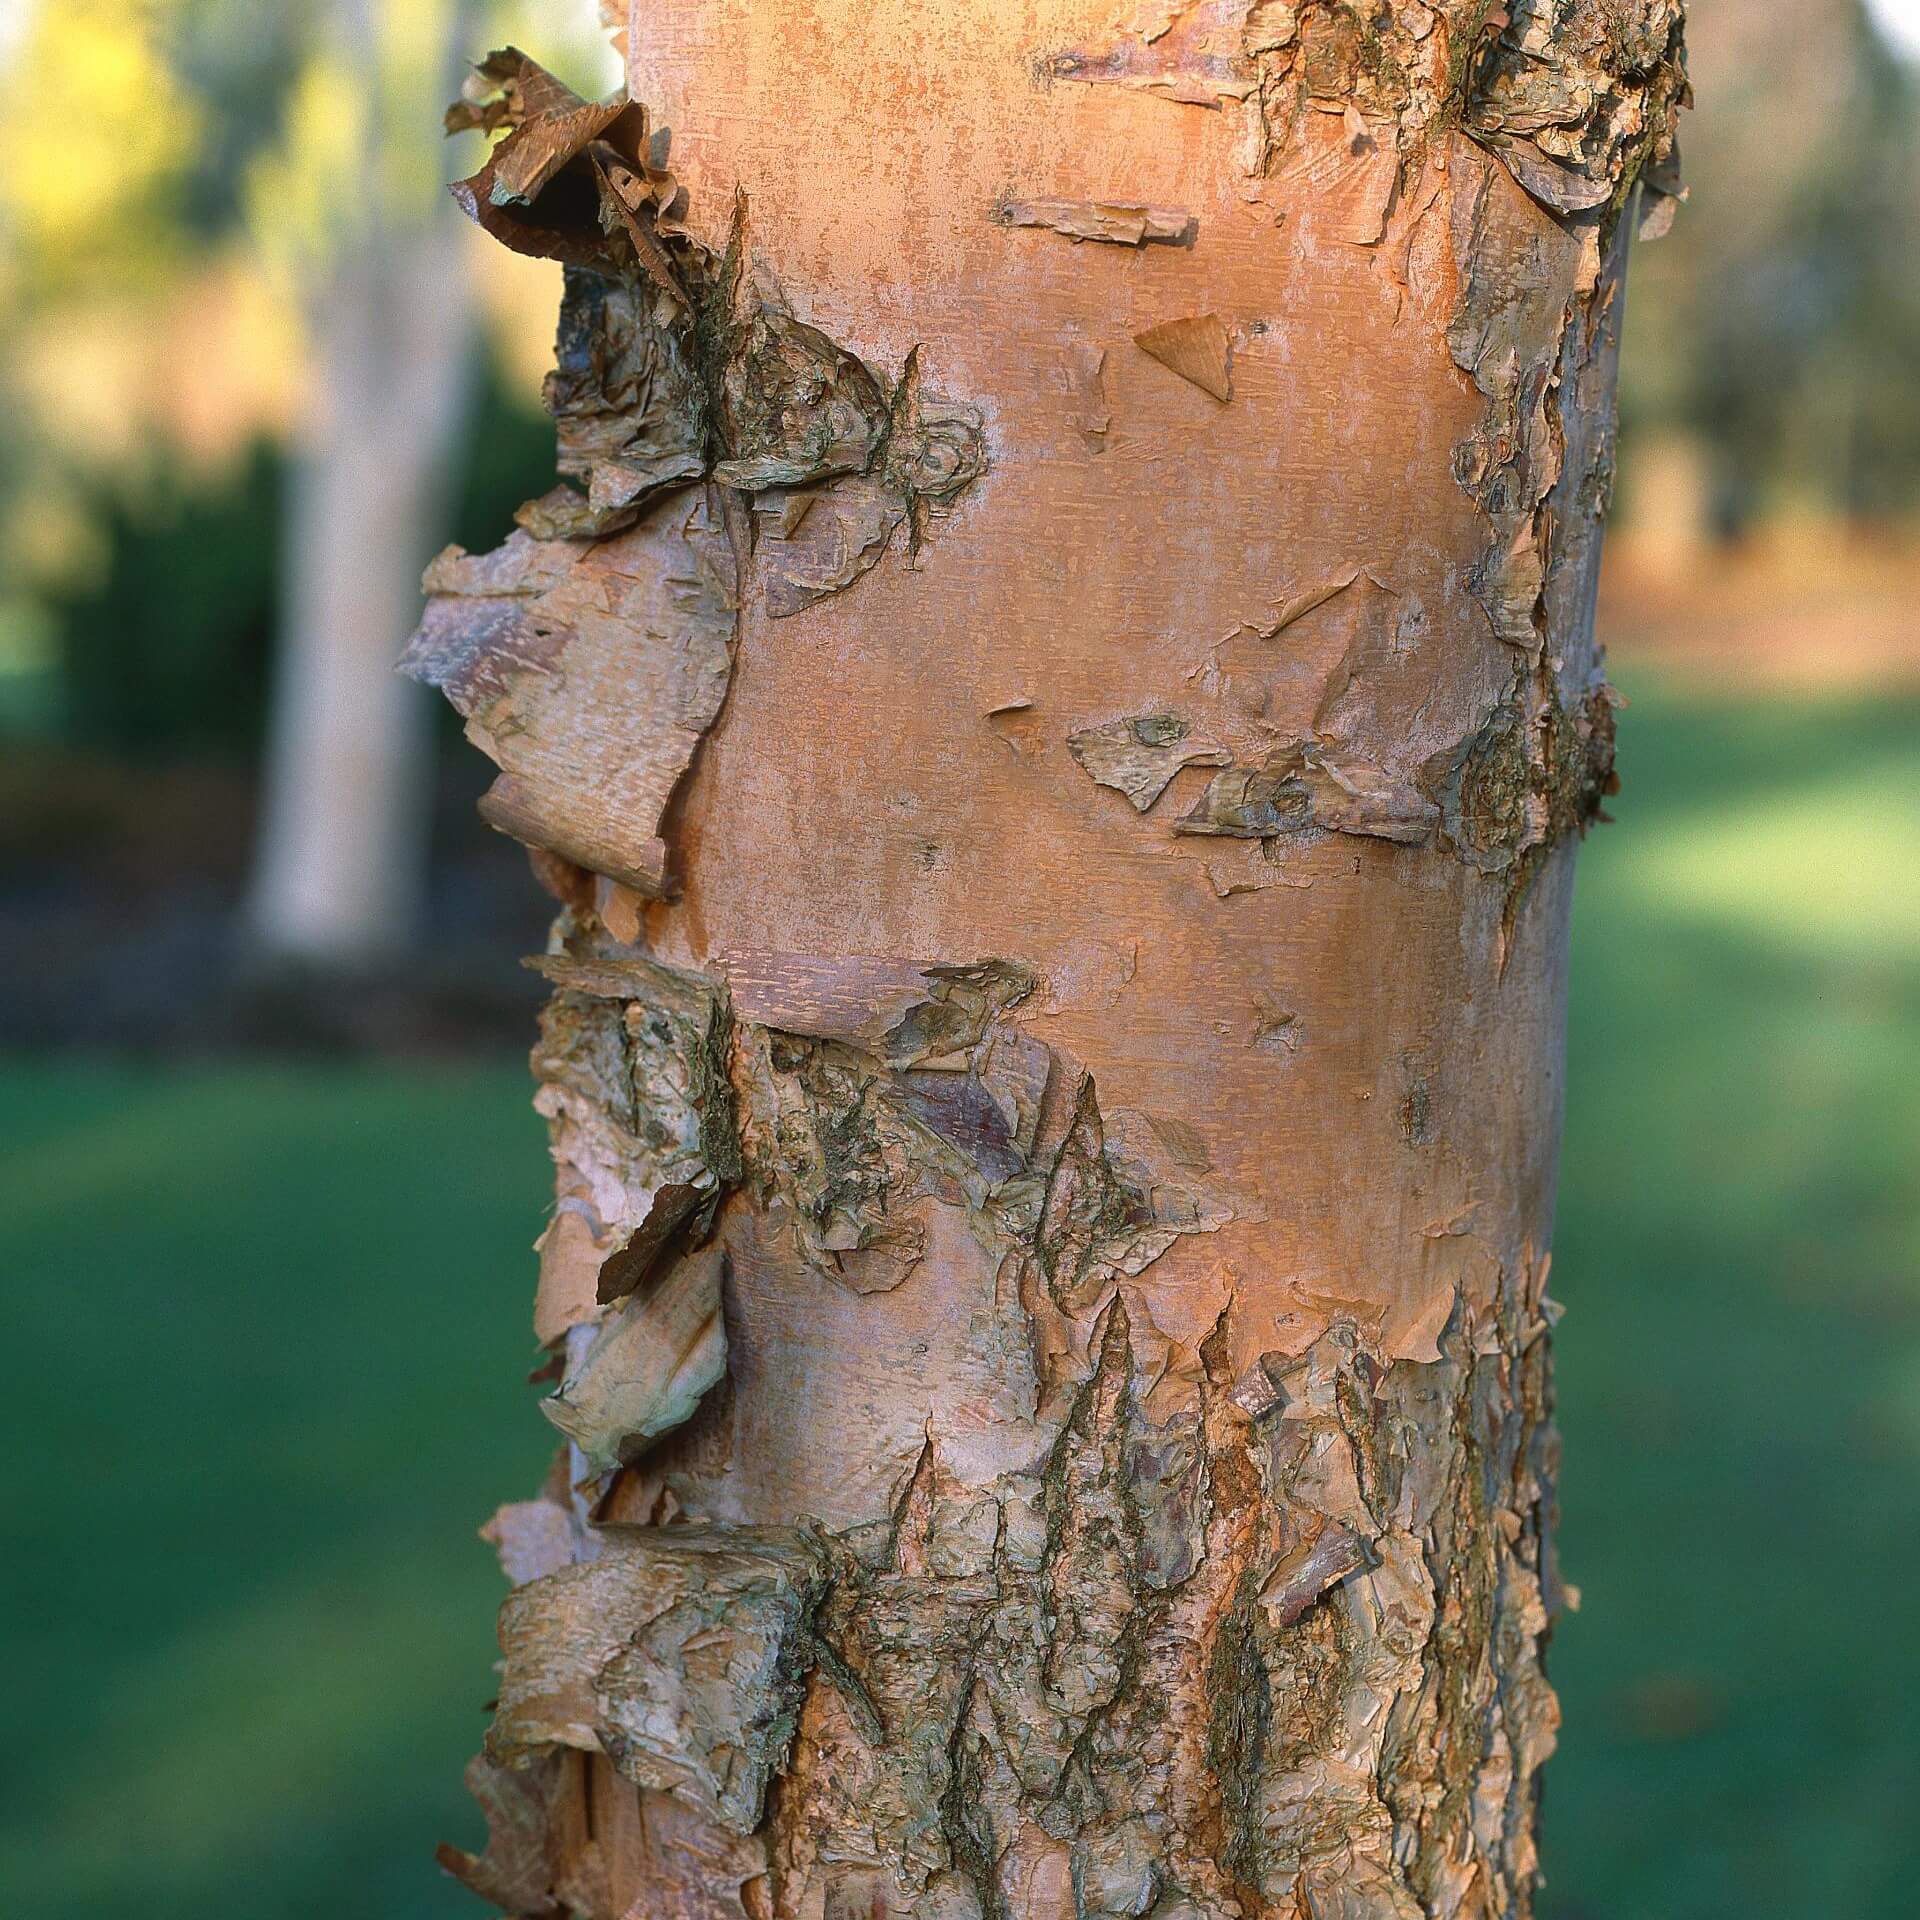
165	645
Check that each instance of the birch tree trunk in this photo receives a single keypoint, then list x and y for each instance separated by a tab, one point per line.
1058	693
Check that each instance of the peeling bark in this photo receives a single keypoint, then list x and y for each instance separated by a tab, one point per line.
1126	226
1196	348
1047	1295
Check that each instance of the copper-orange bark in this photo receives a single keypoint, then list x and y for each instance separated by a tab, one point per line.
1059	695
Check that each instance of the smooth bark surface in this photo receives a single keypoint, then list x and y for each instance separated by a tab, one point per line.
1059	698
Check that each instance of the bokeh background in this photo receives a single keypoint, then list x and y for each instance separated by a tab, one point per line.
267	1171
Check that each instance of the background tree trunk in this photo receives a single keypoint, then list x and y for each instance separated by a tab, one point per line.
340	866
1061	719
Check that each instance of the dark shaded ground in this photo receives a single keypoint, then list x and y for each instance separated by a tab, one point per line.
268	1321
119	923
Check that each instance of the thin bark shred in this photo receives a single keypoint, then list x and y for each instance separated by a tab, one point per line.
999	1483
1124	225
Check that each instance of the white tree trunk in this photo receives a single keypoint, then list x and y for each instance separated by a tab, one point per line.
341	859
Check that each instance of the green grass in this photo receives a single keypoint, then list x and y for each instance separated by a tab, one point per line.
264	1325
1739	1251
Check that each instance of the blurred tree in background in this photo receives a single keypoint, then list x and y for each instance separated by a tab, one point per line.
238	329
345	209
1771	344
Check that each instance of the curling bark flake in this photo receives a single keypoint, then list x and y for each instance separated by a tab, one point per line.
1058	695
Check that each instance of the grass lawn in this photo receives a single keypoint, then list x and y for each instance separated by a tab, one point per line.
1739	1251
266	1323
